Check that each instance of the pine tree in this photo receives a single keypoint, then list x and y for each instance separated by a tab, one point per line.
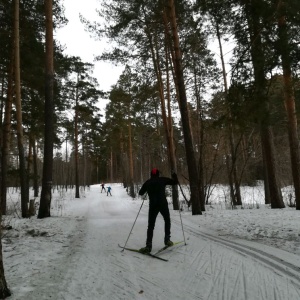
45	200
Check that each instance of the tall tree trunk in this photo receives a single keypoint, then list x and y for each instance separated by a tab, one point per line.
30	158
289	99
35	170
76	144
200	142
171	146
274	187
84	180
4	291
258	61
66	167
6	133
130	155
189	148
232	162
265	174
45	201
22	163
167	120
111	166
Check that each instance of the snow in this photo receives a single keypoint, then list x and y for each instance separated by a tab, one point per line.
250	253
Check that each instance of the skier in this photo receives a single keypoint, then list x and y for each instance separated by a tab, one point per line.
103	188
155	187
109	190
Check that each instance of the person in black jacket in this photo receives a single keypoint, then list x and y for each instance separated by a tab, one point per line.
155	187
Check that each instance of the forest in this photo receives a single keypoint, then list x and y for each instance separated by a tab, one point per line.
209	90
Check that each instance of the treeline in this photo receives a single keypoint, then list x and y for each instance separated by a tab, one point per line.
26	85
48	100
173	107
179	106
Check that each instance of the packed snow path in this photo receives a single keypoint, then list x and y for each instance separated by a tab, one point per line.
92	266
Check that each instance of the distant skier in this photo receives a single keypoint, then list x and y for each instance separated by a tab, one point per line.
103	188
155	187
109	190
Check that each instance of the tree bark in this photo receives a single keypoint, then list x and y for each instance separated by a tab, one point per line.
270	161
45	201
4	291
22	163
189	148
170	137
6	133
200	142
35	170
231	160
258	61
289	100
76	156
130	156
167	120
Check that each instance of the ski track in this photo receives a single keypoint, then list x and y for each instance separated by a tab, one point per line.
270	260
208	267
282	276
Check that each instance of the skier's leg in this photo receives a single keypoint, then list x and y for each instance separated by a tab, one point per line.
164	210
153	212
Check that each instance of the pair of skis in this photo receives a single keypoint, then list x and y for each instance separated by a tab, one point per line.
155	255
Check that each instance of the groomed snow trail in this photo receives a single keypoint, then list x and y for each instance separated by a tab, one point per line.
209	267
203	269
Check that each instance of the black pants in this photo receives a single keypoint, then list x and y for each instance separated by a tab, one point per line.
153	212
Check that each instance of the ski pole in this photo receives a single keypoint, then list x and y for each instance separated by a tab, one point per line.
179	208
180	213
132	226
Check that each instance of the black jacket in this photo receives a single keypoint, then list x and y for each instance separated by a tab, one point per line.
155	187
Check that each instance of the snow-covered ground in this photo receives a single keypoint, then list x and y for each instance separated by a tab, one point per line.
237	254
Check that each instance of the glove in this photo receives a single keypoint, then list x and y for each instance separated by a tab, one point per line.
174	176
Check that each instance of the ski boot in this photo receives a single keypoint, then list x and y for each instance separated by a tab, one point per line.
169	243
145	250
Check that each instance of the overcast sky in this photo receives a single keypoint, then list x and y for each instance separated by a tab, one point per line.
79	43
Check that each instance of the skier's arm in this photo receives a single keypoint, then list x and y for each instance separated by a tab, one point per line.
169	181
143	189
